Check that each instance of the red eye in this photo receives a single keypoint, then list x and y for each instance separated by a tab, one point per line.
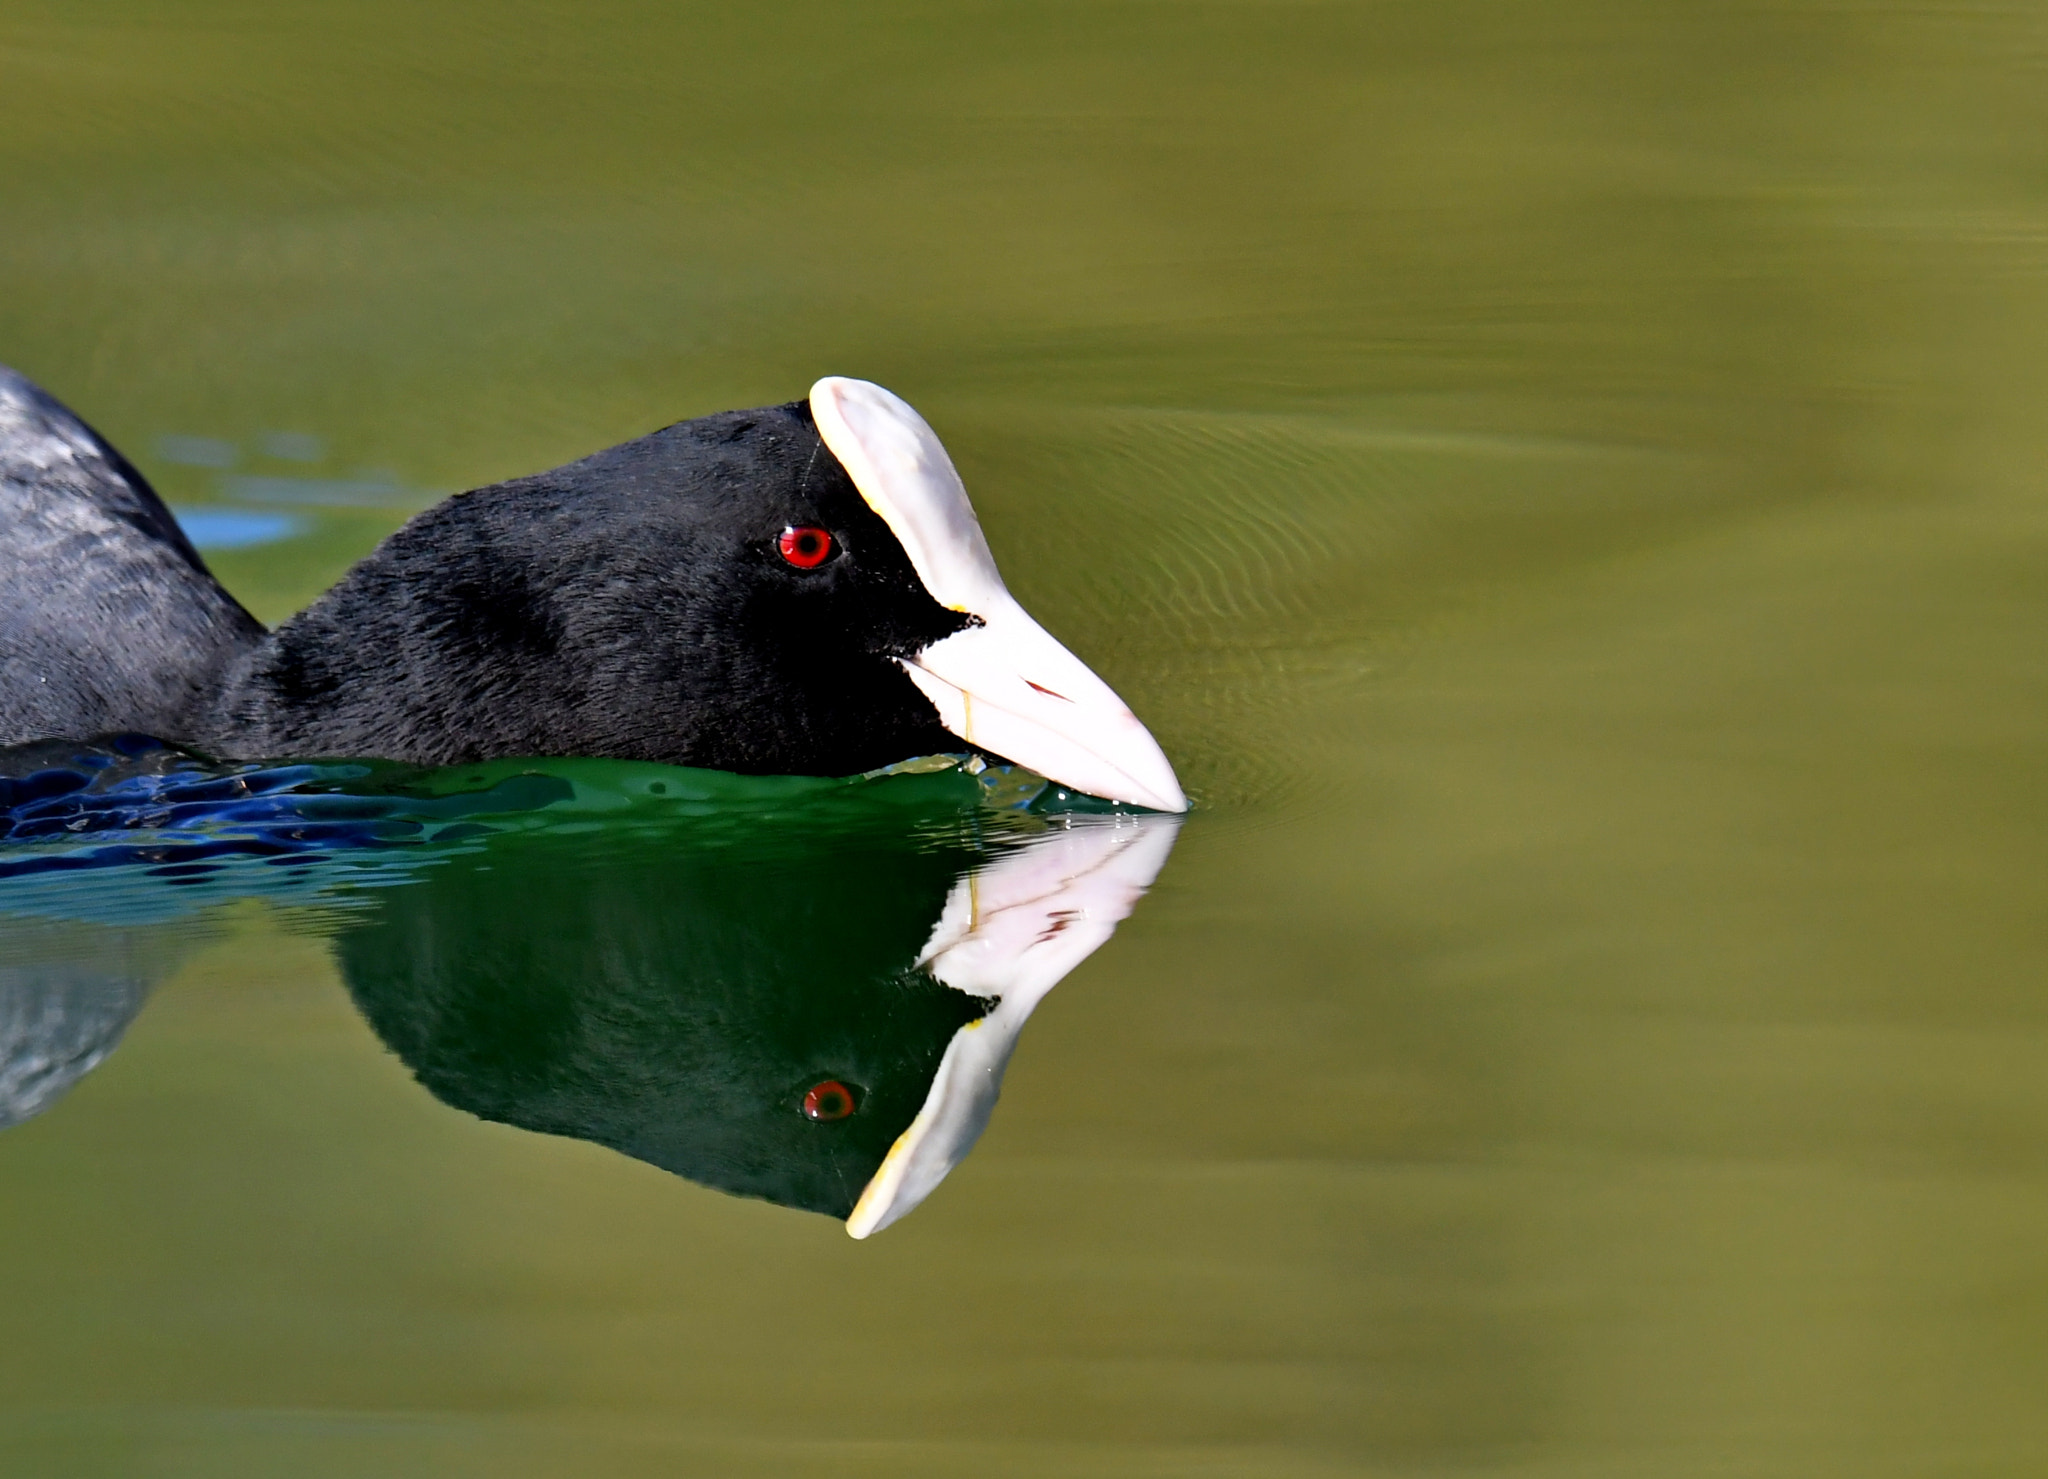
830	1100
806	548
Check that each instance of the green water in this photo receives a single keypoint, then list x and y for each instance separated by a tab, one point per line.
1565	484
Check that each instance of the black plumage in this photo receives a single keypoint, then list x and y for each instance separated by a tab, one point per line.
631	604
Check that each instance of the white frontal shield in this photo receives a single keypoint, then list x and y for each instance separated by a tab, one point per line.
1004	684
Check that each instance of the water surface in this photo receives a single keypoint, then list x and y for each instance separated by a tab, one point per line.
1563	482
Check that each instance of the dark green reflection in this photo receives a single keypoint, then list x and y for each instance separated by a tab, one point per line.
664	961
675	1000
675	978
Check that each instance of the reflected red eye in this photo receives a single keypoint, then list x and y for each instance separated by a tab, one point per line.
805	548
830	1100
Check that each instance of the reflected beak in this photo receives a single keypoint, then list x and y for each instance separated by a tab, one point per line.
1010	933
1006	686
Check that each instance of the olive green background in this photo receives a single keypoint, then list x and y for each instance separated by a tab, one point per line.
1566	484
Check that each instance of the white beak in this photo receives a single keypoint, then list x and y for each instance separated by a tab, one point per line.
1012	931
1008	687
1004	684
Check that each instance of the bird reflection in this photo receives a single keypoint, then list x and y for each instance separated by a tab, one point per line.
801	991
820	1022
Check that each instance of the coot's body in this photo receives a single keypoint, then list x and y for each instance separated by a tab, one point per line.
723	593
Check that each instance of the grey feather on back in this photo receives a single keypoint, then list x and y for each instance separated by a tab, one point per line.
109	620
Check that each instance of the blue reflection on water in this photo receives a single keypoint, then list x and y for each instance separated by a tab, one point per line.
153	823
237	528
